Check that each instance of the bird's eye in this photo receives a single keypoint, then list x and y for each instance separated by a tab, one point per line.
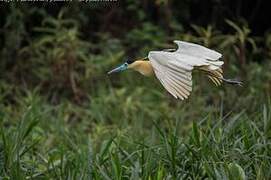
125	64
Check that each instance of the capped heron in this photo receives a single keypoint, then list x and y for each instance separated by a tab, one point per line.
174	68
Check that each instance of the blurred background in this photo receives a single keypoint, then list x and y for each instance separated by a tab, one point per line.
63	117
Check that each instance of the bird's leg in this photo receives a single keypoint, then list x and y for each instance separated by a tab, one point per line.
169	50
232	81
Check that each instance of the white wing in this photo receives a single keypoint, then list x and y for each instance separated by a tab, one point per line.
174	75
174	69
197	51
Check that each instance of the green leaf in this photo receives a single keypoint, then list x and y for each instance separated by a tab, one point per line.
236	172
196	134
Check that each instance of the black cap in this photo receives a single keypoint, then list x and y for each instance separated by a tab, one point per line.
129	61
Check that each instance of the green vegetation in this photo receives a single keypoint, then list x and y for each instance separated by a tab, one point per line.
62	117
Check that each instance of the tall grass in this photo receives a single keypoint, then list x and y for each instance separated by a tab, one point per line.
42	141
62	117
138	132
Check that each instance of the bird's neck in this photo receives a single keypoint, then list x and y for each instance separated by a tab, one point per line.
143	67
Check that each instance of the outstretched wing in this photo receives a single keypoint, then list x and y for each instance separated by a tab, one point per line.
174	69
196	50
174	75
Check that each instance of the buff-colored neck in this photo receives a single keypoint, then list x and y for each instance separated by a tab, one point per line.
144	67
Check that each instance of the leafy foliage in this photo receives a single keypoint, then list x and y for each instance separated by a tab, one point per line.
62	117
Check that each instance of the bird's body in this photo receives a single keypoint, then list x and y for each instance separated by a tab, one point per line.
174	69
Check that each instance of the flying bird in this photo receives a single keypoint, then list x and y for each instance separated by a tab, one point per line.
173	68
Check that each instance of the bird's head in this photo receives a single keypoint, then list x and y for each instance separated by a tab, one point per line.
122	67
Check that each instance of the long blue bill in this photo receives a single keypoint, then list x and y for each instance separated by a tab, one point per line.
118	69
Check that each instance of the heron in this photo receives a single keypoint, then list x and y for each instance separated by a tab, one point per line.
173	67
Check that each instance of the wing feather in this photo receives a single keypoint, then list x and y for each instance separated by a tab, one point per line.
165	84
181	72
185	85
177	78
184	79
176	88
196	50
173	90
178	85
